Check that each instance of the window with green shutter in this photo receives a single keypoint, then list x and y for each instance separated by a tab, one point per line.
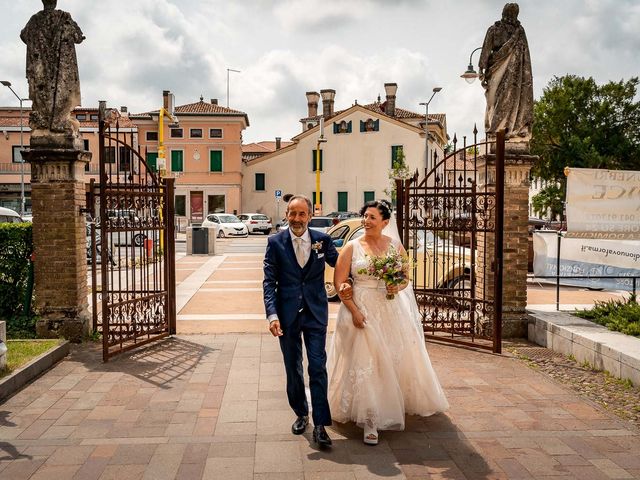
152	161
313	160
369	196
259	181
215	161
343	201
177	161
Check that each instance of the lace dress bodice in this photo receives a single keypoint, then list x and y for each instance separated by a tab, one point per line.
359	260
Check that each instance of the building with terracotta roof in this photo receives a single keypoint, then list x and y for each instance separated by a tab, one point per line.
362	142
203	154
11	168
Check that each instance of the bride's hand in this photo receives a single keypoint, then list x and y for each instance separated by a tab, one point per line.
358	319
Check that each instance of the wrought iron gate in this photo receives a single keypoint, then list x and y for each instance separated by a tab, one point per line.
131	245
451	223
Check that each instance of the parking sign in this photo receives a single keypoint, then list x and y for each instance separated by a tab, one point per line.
278	193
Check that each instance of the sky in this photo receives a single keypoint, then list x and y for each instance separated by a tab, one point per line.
134	49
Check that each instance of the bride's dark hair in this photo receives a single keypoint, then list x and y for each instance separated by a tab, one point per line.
383	206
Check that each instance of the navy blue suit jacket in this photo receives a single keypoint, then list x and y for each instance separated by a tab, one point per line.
287	287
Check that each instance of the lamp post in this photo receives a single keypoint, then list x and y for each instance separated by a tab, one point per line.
22	199
470	75
229	70
426	126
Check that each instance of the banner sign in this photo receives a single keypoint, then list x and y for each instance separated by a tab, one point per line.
583	257
603	204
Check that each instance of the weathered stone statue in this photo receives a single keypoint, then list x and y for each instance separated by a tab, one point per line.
52	72
505	71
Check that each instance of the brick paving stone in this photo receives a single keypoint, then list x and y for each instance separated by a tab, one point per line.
60	472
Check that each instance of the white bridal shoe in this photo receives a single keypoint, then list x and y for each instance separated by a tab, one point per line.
370	435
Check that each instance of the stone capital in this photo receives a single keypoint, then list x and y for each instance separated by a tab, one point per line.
56	164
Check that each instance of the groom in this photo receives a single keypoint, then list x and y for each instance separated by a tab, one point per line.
296	306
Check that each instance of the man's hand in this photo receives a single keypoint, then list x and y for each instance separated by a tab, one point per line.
345	292
274	328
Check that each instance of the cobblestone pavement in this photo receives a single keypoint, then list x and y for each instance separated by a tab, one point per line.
614	395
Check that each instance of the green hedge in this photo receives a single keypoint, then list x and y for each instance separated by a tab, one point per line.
16	246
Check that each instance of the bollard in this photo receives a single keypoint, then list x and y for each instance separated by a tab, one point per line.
3	345
148	247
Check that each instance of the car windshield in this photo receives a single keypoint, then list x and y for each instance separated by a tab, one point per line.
228	219
260	217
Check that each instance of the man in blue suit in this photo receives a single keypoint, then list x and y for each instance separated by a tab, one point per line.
296	305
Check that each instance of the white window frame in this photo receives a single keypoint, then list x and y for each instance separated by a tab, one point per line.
221	133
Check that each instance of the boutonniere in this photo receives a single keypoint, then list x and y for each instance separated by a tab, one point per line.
316	246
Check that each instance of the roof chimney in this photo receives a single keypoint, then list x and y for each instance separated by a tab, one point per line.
214	101
312	104
124	110
328	95
390	105
278	143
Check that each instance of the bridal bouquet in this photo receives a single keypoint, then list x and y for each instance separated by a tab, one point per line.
392	268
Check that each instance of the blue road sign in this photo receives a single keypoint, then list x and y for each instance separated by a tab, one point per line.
278	193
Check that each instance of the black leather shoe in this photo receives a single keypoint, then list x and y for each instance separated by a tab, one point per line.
321	437
300	425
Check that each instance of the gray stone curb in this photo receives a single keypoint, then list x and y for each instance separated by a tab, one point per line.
23	375
564	333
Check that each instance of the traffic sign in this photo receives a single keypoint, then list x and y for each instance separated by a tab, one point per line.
278	193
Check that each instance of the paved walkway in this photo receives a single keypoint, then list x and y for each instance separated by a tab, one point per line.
213	406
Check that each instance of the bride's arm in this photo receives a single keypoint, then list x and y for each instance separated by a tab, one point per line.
340	276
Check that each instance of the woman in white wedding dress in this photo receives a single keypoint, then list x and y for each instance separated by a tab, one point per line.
378	366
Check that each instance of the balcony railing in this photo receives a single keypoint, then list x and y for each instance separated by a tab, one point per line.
14	168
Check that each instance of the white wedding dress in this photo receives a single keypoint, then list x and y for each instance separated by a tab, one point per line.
381	372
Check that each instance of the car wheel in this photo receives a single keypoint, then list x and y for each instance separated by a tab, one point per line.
330	289
220	233
138	239
461	286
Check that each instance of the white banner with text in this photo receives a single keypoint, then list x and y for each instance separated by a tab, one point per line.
603	204
587	257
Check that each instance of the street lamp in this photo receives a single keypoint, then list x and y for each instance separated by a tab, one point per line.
470	75
426	126
229	70
22	200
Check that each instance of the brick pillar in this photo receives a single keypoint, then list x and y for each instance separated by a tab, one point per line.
59	238
515	238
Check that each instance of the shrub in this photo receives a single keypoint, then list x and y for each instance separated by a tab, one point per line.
16	247
617	315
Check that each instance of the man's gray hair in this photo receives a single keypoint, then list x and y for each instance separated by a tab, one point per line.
301	197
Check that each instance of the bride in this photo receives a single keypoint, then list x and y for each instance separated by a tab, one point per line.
378	365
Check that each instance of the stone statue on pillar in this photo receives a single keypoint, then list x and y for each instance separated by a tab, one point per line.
52	73
505	72
58	163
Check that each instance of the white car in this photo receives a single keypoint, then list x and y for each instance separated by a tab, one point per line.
227	224
256	222
9	216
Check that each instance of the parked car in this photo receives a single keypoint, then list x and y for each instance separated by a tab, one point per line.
9	216
322	224
284	224
256	222
227	224
127	219
339	216
448	265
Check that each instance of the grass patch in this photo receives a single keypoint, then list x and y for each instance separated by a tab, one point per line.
20	352
617	315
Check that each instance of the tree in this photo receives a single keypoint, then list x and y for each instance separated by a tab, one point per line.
578	123
549	202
